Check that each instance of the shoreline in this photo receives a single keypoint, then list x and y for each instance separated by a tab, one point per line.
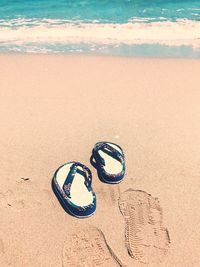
89	55
134	53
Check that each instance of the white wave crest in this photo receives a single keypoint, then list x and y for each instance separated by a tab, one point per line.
181	32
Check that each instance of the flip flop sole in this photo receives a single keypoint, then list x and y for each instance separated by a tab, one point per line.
102	177
64	205
146	239
88	248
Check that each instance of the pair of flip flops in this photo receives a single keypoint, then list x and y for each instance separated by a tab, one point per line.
72	182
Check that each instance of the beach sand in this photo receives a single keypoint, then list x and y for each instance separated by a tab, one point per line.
53	110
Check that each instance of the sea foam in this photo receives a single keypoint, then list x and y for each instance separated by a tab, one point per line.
19	31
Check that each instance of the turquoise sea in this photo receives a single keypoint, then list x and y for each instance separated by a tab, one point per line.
151	28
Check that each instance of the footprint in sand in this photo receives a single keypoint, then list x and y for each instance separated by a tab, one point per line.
1	247
88	248
7	199
146	239
22	195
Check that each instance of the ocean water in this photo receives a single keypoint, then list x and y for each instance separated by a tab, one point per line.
147	28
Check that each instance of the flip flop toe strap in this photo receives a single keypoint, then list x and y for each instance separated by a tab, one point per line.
111	151
88	178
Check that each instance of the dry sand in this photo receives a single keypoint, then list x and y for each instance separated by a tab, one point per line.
53	110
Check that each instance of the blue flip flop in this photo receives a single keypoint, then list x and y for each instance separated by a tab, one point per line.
108	159
72	184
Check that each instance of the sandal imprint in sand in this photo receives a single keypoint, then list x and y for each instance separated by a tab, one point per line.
114	194
108	194
145	237
88	248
